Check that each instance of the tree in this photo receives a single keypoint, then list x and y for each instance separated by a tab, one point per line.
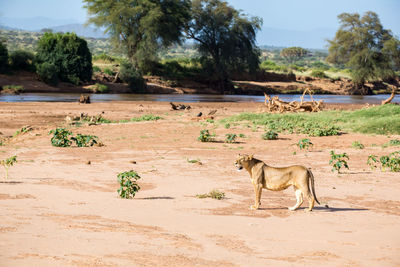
292	54
140	27
3	57
225	37
65	54
363	45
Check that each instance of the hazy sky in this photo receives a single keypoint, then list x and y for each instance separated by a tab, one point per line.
284	14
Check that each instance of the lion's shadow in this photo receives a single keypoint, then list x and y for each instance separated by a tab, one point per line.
324	209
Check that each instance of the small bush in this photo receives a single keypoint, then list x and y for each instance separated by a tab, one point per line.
318	74
230	138
108	72
7	163
22	60
338	161
104	57
204	136
391	161
304	143
83	140
270	135
60	137
394	142
215	194
47	72
132	77
227	126
23	130
13	89
99	88
128	184
358	145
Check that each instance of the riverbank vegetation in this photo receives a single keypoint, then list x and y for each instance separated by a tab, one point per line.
160	49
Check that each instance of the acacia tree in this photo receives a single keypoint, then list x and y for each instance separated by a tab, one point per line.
140	27
291	54
363	45
226	38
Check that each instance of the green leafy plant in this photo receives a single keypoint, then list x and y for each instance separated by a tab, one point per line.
242	135
391	161
13	89
338	161
210	120
394	142
60	137
83	140
23	130
304	143
215	194
128	184
7	163
204	136
357	144
227	126
230	138
270	135
194	161
372	161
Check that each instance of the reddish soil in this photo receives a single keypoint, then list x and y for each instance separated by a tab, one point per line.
58	210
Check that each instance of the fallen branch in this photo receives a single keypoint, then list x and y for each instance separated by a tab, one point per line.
274	104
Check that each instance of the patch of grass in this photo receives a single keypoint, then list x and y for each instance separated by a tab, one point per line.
358	145
215	194
242	135
23	130
147	117
374	120
193	161
227	125
205	136
99	88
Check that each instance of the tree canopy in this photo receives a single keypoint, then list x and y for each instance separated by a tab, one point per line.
226	38
140	27
291	54
363	45
63	56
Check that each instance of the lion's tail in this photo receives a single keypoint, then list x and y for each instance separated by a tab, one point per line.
312	186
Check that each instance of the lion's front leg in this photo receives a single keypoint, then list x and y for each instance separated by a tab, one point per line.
257	196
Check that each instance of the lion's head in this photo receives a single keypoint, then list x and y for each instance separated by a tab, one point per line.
242	161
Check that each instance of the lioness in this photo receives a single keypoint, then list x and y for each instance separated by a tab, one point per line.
277	179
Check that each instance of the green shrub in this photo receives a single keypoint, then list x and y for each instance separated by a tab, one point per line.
227	126
394	142
269	135
318	74
132	77
99	88
104	57
357	144
304	143
320	65
60	137
7	163
47	72
22	60
215	194
83	140
69	53
204	136
338	161
230	138
128	184
3	58
391	161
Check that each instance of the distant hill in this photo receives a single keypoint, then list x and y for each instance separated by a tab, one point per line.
32	24
80	30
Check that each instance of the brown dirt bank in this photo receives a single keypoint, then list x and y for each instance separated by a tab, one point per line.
158	85
57	210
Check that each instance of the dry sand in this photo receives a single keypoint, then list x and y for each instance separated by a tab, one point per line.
57	210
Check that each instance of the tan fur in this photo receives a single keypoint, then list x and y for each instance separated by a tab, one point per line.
277	179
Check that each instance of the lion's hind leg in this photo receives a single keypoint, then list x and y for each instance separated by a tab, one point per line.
299	199
311	202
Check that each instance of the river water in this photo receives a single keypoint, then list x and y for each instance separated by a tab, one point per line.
70	97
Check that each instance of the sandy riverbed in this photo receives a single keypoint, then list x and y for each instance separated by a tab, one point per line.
57	210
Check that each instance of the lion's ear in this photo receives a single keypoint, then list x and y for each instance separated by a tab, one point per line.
251	157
